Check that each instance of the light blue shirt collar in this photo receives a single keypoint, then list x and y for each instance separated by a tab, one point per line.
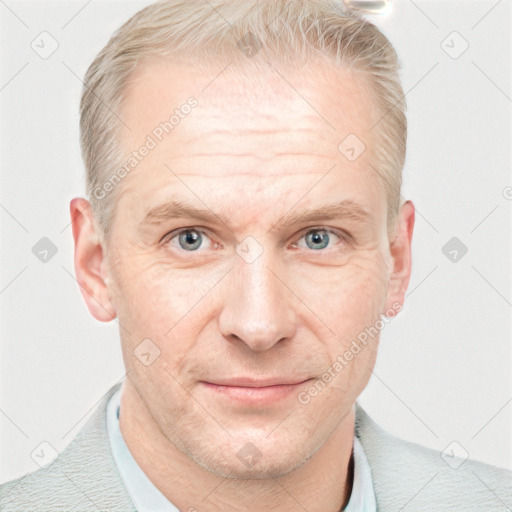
147	498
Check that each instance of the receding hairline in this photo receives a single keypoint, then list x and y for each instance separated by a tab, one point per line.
286	29
243	69
240	72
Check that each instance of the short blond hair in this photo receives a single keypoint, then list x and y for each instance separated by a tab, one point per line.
287	31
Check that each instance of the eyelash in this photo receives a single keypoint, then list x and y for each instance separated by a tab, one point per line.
173	234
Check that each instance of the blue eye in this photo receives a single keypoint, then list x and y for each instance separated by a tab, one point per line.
318	239
188	239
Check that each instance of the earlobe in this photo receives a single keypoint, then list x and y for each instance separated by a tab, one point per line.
89	261
400	249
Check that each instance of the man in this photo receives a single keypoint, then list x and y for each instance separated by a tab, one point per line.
245	228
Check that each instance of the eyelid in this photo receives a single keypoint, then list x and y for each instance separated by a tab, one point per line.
341	234
176	232
172	234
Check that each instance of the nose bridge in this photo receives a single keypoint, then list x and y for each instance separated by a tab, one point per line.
258	309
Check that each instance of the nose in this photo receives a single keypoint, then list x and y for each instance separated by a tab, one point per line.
258	309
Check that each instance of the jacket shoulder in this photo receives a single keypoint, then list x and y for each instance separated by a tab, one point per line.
83	477
408	476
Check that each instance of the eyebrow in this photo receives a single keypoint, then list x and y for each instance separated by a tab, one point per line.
343	209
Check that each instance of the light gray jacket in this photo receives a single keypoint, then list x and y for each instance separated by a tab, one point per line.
406	476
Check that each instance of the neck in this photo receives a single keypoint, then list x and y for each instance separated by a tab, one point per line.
323	483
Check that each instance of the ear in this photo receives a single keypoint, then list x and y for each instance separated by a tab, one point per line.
89	261
400	249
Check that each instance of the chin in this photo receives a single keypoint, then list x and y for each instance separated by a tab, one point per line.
245	461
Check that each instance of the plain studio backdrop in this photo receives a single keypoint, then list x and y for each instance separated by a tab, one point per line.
443	375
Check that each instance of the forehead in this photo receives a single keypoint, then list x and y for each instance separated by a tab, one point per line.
247	130
279	107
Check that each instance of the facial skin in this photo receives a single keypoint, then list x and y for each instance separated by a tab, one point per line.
253	152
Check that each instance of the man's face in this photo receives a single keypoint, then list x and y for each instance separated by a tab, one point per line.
249	293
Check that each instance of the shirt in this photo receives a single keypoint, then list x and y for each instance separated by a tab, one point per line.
147	498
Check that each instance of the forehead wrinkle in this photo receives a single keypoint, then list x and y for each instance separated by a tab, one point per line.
261	144
262	156
251	155
255	174
190	135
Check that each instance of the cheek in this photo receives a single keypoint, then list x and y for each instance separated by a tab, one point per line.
349	300
351	292
168	306
146	291
366	286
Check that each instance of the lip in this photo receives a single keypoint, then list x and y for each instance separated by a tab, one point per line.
254	392
248	382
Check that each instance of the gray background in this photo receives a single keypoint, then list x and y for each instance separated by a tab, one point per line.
444	369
